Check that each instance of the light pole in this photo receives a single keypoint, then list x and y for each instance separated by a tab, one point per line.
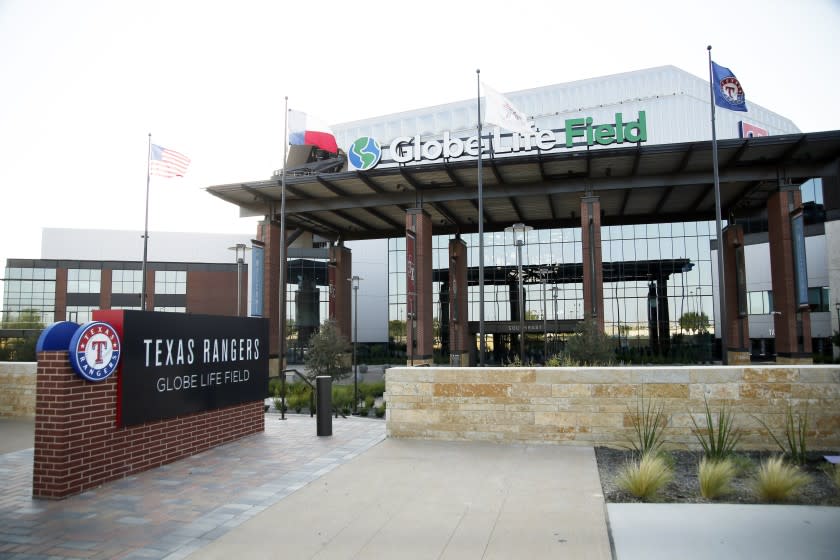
544	273
240	261
554	290
354	282
519	232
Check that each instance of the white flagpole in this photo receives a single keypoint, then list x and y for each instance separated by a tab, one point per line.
721	288
481	341
281	311
146	226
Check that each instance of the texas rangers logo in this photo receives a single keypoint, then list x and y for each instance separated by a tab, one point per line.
731	89
95	351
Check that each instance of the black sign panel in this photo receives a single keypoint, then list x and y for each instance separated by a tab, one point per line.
175	364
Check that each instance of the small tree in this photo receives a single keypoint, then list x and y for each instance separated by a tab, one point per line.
589	345
21	349
328	353
694	322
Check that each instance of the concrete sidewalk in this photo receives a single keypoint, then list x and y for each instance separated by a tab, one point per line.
422	499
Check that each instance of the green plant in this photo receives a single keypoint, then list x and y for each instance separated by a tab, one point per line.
328	353
777	481
649	422
379	411
719	441
796	435
646	477
715	477
590	346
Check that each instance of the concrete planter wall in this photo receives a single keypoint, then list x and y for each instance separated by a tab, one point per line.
594	406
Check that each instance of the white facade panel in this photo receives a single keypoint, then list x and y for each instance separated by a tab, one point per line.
370	263
121	245
676	103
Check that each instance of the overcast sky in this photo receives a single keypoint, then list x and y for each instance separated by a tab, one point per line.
84	82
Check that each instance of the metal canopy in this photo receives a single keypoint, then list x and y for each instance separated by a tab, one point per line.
638	184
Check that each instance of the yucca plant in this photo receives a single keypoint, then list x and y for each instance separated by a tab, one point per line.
796	434
646	477
649	422
718	441
777	481
715	477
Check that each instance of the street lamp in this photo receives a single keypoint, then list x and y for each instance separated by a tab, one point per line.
544	273
354	282
519	232
240	249
554	290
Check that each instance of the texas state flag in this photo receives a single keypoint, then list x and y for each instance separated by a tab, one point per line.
306	130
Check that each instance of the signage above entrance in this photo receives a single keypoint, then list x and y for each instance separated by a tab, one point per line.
577	132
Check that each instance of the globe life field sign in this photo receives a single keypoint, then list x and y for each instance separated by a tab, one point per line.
175	364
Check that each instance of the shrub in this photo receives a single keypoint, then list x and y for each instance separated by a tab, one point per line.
589	346
645	478
796	433
715	477
719	441
379	411
649	421
777	481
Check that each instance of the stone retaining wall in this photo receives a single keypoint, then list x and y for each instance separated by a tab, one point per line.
595	406
17	389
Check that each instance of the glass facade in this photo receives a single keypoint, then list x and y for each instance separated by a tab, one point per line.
632	252
83	281
170	282
29	290
126	281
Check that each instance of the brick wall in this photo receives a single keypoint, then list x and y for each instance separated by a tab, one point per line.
17	389
594	406
78	444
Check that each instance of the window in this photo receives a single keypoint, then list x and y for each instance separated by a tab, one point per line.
170	282
126	281
29	290
83	281
759	303
818	299
171	309
80	313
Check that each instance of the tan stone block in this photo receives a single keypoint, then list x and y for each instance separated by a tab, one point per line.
770	374
614	391
764	390
423	417
666	390
715	374
561	376
816	391
673	374
608	420
530	390
471	389
819	374
713	391
571	390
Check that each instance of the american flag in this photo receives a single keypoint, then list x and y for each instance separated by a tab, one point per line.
164	162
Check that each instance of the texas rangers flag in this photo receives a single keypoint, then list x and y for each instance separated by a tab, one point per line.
307	130
728	91
501	112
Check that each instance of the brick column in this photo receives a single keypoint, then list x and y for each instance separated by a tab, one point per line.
737	321
792	323
340	268
60	294
105	289
593	272
268	232
460	342
418	270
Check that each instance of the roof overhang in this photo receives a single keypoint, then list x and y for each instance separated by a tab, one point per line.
638	184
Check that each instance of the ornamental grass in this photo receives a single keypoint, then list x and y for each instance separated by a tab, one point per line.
716	477
777	481
646	477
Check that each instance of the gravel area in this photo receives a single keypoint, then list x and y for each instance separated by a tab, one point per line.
685	488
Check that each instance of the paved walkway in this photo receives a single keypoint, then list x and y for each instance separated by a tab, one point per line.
174	510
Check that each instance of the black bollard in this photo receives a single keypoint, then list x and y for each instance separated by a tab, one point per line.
323	404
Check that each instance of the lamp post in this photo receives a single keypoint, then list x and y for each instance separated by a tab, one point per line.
519	232
554	291
240	261
354	282
544	273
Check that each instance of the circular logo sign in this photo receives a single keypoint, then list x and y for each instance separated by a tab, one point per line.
95	351
732	91
364	153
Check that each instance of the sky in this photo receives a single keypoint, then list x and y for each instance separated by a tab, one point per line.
85	82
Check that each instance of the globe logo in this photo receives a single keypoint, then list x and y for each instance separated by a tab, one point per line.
364	153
